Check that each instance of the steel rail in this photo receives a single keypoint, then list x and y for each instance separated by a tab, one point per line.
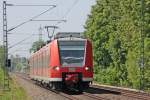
94	96
128	93
70	97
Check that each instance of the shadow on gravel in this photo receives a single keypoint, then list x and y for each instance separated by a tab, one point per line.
91	90
94	90
71	92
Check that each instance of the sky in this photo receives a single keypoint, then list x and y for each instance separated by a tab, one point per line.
74	11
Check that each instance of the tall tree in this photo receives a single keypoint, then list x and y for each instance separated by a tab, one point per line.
114	27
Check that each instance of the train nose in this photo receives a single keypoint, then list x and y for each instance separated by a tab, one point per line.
71	78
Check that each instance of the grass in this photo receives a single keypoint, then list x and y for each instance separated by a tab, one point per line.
16	92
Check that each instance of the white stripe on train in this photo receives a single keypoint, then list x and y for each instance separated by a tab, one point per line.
47	80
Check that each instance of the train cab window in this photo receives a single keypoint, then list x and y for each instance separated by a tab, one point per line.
72	53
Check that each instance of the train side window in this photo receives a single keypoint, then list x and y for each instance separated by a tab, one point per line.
47	57
49	54
44	58
39	60
32	62
35	61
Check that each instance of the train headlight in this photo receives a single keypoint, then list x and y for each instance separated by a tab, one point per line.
56	68
88	68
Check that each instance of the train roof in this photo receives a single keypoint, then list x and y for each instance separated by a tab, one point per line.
68	34
44	47
63	36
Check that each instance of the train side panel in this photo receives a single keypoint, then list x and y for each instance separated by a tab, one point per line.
54	62
88	74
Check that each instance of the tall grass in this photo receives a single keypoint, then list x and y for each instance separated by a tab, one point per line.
16	92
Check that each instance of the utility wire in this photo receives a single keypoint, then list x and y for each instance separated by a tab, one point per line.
20	41
49	20
28	5
23	34
31	19
68	11
18	50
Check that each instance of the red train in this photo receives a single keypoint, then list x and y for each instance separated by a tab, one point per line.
65	61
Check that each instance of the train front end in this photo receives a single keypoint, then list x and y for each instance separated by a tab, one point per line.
75	62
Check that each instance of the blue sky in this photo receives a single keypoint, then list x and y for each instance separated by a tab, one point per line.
75	20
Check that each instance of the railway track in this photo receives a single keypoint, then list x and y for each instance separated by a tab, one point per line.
69	97
125	92
95	93
94	96
64	93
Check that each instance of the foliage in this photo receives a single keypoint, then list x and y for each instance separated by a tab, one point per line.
114	27
1	65
36	45
16	92
1	55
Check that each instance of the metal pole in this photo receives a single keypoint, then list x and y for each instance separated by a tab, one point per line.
5	43
142	46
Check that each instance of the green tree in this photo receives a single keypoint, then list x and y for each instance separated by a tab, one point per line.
114	27
36	45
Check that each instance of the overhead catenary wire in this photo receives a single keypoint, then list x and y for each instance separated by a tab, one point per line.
18	33
28	5
18	50
71	7
49	20
68	11
20	41
31	19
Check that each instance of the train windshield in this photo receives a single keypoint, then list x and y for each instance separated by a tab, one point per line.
72	53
